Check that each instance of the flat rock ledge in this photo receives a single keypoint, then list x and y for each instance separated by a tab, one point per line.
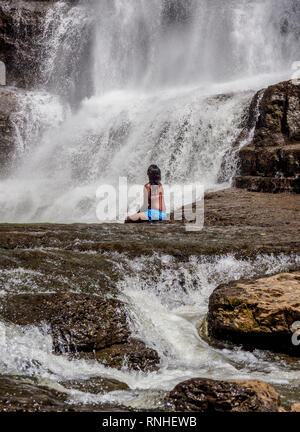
82	325
205	395
22	27
260	313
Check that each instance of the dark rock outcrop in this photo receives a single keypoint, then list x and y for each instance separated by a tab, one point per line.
28	30
295	408
21	28
257	313
95	385
271	163
205	395
19	395
81	323
268	184
133	355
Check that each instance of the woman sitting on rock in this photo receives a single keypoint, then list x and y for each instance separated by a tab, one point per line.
153	208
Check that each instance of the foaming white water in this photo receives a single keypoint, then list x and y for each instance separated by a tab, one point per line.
166	306
38	112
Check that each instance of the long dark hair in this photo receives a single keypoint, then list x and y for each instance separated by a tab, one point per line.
154	175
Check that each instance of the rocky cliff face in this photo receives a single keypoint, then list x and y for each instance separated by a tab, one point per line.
21	32
271	163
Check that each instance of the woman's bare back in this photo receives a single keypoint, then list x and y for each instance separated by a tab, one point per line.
156	194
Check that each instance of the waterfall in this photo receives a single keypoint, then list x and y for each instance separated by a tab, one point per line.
167	321
135	82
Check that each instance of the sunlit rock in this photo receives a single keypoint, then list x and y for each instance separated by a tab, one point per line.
258	313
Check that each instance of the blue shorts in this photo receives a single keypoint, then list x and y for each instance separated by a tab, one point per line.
155	215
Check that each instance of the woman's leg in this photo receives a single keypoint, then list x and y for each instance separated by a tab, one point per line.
136	217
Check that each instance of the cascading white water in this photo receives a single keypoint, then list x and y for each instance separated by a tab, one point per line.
151	73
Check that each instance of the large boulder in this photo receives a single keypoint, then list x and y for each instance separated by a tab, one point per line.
205	395
271	162
29	30
95	385
81	324
134	355
268	184
260	313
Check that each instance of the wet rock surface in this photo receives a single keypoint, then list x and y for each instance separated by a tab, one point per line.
81	323
78	322
96	385
236	221
21	29
271	162
19	395
133	355
92	260
26	26
204	395
259	313
22	39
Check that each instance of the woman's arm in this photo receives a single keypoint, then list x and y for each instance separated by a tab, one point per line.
161	190
144	207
